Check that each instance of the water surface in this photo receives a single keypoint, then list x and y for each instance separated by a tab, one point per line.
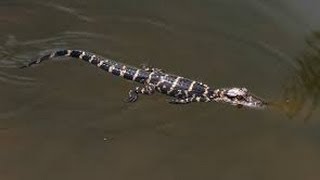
68	120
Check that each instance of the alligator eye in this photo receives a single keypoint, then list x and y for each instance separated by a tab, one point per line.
240	97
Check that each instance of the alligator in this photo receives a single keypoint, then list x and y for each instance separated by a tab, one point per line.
182	90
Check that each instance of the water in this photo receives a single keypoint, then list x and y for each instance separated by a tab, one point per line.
68	120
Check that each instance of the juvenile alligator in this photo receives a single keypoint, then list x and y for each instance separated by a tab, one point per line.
182	90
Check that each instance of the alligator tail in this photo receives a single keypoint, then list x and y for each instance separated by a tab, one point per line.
116	68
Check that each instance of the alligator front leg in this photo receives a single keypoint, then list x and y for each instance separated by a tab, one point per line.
134	93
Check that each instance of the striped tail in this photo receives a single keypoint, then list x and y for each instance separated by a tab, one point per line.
116	68
65	53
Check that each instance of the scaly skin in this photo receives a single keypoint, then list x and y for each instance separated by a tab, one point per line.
182	90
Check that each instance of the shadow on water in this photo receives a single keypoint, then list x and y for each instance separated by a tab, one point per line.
301	92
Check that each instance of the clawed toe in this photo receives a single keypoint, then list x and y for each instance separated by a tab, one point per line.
133	96
131	99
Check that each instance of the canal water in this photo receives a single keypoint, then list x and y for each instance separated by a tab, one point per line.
68	120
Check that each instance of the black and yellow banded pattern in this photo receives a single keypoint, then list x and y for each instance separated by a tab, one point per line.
182	90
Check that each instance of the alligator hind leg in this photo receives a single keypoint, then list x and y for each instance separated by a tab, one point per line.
134	93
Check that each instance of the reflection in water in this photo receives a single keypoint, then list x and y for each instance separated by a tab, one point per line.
303	90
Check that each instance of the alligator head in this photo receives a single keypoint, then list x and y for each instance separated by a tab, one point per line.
239	97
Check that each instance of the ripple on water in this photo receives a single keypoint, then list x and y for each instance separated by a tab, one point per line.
20	87
67	10
14	53
152	21
15	79
302	91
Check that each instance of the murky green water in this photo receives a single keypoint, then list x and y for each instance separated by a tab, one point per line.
68	120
